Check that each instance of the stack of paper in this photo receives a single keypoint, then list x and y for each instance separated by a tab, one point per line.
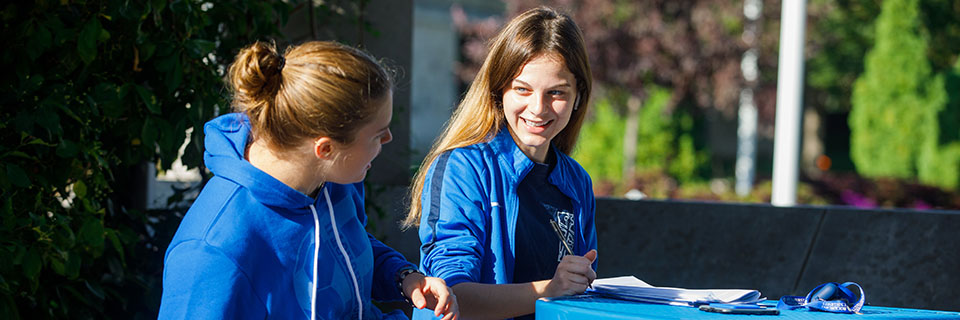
631	288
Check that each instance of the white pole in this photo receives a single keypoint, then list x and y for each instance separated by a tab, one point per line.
786	145
747	115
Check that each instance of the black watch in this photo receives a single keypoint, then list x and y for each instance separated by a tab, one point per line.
401	275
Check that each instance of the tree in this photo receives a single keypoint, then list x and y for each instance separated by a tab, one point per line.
896	98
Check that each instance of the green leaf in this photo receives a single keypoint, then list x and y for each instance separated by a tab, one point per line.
6	212
199	48
115	240
104	35
147	50
92	233
38	42
174	75
148	135
158	5
40	142
73	265
87	41
107	97
95	289
148	99
17	176
50	121
58	266
32	263
80	189
65	239
67	149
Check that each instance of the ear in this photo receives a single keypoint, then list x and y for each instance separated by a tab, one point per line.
323	148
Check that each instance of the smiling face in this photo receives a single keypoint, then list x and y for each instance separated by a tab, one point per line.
538	104
353	159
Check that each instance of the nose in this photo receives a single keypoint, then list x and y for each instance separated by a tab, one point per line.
538	105
387	137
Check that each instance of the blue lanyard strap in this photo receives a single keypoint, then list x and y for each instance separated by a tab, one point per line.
829	297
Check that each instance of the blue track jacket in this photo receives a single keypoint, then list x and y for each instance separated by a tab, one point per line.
246	248
469	211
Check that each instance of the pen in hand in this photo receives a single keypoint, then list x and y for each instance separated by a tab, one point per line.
556	228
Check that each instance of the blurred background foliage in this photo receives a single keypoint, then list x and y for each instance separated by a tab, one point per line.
881	81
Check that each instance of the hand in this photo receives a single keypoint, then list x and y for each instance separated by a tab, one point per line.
432	293
574	274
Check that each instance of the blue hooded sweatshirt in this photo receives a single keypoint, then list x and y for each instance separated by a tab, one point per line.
251	247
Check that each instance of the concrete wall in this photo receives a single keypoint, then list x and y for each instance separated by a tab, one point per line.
901	258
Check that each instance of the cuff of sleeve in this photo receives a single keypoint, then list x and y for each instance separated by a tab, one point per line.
457	279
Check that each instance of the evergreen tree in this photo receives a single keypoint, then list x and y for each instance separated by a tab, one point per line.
894	99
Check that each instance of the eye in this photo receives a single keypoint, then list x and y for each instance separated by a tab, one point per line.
556	92
521	90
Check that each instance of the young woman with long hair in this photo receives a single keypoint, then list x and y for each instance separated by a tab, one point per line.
505	215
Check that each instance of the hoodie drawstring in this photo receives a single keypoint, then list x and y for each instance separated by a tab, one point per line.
316	257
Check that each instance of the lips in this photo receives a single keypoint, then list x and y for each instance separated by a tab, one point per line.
536	127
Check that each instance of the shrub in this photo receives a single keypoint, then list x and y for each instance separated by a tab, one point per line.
902	123
93	90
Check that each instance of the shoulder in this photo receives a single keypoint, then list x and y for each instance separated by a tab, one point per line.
476	157
220	217
572	168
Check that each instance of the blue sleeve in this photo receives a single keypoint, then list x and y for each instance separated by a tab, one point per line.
588	220
200	282
453	220
386	261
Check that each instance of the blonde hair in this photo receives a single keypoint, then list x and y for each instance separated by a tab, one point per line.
480	116
315	89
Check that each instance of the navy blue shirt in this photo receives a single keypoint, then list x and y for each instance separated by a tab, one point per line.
537	245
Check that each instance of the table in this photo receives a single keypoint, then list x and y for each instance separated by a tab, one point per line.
596	307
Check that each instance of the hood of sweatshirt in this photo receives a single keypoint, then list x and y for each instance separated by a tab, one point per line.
225	144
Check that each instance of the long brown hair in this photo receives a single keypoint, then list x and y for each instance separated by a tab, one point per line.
318	88
480	114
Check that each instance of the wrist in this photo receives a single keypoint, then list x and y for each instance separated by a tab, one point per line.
401	278
541	287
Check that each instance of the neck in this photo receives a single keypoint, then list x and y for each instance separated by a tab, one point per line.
536	154
287	166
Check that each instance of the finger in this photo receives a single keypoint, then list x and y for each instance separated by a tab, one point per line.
591	255
452	308
416	297
442	298
578	279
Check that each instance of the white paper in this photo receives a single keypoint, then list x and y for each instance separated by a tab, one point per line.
631	288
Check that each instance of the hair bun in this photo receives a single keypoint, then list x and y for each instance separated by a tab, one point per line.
256	75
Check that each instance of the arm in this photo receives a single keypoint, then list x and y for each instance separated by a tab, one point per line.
588	219
200	282
423	292
453	229
485	301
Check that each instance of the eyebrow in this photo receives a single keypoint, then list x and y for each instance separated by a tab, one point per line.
565	84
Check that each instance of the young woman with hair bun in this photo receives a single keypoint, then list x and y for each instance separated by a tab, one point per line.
278	232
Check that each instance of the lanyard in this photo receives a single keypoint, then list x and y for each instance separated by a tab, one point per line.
829	297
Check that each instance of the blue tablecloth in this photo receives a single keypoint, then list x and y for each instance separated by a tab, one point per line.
595	307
